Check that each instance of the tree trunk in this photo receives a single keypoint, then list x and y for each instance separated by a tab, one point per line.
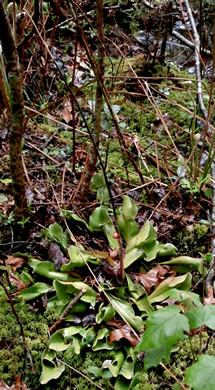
16	102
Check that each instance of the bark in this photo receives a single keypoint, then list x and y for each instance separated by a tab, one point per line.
16	103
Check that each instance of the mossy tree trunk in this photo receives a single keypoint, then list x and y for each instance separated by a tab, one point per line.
98	104
16	103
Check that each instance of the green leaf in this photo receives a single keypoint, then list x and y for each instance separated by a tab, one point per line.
3	198
185	264
79	257
136	290
95	371
105	313
166	250
128	227
34	291
201	375
109	231
195	317
163	329
133	255
50	370
187	297
151	250
55	230
57	234
144	305
125	309
70	215
100	220
209	316
182	282
47	269
97	181
202	316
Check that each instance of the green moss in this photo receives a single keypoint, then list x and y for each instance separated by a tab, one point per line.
13	360
193	240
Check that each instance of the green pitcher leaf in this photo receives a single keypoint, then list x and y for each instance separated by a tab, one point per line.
144	305
126	223
35	291
3	198
151	250
50	370
100	220
64	291
59	340
103	195
125	309
146	234
136	290
56	233
133	255
164	328
70	215
55	230
182	282
127	369
105	313
102	340
129	208
167	250
121	384
185	264
47	269
109	231
128	227
79	257
201	375
116	364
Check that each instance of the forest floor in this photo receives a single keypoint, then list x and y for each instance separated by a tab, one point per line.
157	221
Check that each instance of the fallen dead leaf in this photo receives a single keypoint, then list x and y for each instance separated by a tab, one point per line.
18	385
66	113
19	283
123	332
15	262
152	278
